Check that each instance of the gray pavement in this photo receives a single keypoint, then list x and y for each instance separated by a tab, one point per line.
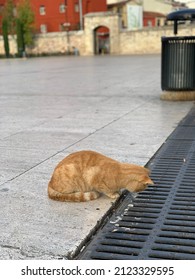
50	107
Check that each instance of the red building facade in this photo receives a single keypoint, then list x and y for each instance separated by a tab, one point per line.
152	19
59	15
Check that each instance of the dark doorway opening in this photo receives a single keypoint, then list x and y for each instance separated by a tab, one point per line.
102	40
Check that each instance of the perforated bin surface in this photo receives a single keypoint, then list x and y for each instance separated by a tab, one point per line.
158	223
178	63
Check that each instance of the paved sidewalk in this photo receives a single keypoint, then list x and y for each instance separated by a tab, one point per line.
50	107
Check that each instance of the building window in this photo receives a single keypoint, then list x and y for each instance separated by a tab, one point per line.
15	11
1	9
43	28
61	27
62	8
76	8
42	10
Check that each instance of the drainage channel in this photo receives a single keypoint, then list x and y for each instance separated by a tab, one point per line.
158	223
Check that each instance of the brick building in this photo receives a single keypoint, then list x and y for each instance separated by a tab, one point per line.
153	19
59	15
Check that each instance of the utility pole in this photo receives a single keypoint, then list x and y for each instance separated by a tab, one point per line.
81	14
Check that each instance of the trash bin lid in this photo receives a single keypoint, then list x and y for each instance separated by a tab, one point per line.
185	14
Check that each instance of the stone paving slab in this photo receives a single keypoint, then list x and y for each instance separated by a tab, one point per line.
50	107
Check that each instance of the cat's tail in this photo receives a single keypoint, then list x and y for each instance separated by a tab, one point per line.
74	197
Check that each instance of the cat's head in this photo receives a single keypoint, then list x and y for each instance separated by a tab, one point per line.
140	183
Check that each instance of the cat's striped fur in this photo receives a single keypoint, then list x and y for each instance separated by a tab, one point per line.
84	175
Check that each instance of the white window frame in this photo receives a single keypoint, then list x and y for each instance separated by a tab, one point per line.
42	10
62	8
43	28
76	8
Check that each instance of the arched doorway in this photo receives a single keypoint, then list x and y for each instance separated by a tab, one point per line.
101	40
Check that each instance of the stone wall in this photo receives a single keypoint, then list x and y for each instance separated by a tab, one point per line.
50	43
61	42
146	41
95	20
12	45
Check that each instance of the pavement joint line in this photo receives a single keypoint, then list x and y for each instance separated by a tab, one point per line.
63	150
182	177
23	130
42	228
16	248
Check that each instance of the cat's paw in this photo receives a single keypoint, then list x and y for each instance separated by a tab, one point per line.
113	195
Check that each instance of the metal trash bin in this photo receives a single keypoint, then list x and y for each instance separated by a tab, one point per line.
178	56
178	63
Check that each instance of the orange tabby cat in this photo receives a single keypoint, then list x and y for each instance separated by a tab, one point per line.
84	175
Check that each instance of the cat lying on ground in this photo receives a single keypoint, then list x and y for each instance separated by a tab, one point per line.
84	175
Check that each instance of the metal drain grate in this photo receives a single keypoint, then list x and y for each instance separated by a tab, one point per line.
158	223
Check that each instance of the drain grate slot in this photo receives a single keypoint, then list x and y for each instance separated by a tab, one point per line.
158	223
183	133
181	235
175	241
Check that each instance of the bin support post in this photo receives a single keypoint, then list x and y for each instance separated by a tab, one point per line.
175	27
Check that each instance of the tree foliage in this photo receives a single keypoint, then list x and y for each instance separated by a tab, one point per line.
5	37
8	24
18	20
9	17
26	17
